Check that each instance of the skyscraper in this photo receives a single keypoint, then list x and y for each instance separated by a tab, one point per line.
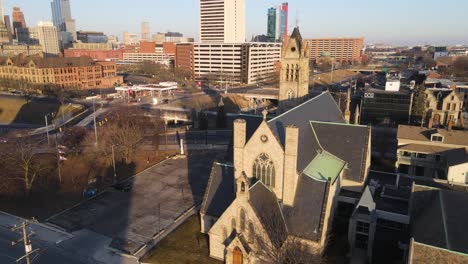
5	36
222	21
48	37
271	24
63	21
145	30
277	22
18	20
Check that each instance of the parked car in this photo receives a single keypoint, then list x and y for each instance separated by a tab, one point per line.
123	186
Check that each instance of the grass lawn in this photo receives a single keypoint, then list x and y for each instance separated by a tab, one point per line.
9	108
184	245
16	110
338	75
67	111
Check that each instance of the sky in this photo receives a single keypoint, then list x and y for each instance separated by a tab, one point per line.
396	22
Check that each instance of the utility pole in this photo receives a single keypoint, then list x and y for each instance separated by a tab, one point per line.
58	159
113	164
47	130
95	125
27	244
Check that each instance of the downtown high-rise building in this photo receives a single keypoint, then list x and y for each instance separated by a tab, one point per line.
145	30
277	25
222	21
47	35
19	23
63	21
5	36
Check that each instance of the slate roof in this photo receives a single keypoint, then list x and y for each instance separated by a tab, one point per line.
455	137
267	208
320	108
427	149
456	156
219	192
442	212
304	218
296	34
347	142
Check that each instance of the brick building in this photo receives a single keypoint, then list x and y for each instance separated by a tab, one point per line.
73	73
112	55
341	49
185	58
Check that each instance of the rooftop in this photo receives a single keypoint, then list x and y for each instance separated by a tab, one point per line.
440	211
454	137
325	166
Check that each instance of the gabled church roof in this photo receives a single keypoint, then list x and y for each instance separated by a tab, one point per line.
347	142
320	108
268	210
304	217
219	192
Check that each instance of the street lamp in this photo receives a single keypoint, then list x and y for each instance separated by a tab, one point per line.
47	126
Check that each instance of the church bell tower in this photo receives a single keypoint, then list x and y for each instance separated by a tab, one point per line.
294	76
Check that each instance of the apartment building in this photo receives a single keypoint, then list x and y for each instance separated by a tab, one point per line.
222	21
231	63
261	60
72	73
433	153
444	105
340	49
185	58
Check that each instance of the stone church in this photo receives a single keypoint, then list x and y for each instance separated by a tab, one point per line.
283	181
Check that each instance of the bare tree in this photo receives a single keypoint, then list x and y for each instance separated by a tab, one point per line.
24	164
278	246
125	130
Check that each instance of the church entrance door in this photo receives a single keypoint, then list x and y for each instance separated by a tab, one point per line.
237	257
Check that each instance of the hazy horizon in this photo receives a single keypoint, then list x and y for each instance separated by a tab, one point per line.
414	22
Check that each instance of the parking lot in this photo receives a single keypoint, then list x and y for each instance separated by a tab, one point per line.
156	197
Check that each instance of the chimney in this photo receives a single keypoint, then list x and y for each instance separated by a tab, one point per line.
450	125
290	164
240	127
430	123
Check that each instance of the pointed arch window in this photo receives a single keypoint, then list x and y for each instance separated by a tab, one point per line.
224	235
264	170
233	224
251	232
242	219
297	73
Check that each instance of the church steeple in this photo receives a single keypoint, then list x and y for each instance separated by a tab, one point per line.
294	79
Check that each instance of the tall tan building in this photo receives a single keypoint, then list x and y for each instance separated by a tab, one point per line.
48	36
294	76
222	21
145	31
340	49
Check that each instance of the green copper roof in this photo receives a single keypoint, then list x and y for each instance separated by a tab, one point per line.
324	166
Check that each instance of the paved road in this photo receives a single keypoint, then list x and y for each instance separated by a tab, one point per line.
221	137
45	241
126	221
